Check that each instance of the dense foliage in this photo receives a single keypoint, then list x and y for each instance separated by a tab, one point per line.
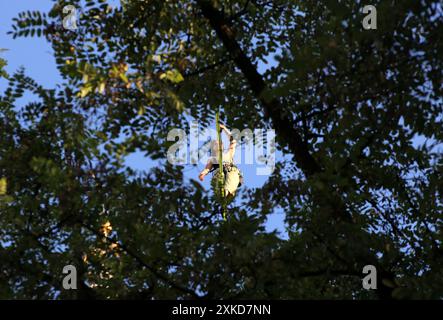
357	113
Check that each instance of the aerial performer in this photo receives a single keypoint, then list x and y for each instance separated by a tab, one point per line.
226	182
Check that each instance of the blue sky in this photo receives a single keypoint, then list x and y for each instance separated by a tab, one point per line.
36	55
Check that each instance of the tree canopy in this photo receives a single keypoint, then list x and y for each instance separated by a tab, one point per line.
348	106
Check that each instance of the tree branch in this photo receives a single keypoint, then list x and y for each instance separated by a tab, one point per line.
139	260
207	68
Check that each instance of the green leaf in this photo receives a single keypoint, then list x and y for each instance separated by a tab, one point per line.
3	186
85	90
172	75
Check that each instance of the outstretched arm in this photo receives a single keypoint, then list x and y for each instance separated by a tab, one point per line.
206	170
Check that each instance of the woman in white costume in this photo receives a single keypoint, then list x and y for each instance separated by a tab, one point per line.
233	176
